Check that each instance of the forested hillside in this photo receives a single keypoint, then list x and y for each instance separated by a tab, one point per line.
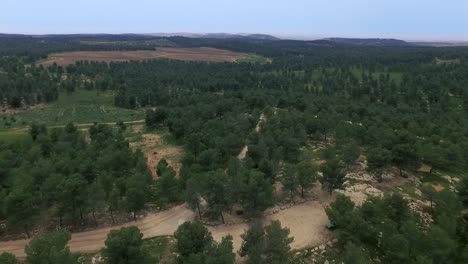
245	128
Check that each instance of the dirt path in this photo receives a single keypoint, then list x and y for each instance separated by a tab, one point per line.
306	222
244	150
157	224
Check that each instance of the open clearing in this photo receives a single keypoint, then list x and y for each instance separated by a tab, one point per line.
306	222
188	54
156	146
81	106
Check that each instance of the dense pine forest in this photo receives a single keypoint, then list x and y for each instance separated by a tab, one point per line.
398	106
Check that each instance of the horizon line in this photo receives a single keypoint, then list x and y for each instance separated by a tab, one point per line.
283	36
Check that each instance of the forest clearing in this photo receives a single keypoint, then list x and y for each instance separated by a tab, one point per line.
186	54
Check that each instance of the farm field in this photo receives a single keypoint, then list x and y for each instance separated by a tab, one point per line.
81	106
187	54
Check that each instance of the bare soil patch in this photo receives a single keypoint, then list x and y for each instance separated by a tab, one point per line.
438	187
187	54
155	149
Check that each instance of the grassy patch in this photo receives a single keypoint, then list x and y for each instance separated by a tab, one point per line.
81	106
15	136
439	61
395	76
252	58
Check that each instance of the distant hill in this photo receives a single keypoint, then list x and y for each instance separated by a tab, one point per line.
441	43
370	41
217	36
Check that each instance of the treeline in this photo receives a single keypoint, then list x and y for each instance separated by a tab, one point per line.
22	85
74	179
32	48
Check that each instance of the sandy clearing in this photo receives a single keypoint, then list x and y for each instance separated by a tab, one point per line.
306	222
188	54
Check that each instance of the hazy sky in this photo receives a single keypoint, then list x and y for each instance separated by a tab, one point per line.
407	19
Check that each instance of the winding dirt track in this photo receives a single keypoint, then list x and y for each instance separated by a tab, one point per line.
306	222
158	224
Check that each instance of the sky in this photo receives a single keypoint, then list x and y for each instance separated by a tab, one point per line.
307	19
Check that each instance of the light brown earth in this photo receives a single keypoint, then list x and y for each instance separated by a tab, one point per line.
243	153
306	222
188	54
154	148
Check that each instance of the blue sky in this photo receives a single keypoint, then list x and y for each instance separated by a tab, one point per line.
406	19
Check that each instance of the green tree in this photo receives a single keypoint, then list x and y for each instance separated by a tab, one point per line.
463	191
306	175
378	159
439	245
74	194
396	249
403	151
269	244
257	192
221	253
21	209
7	258
50	248
136	194
167	187
124	246
333	175
193	196
277	244
351	153
36	130
192	239
216	193
354	255
253	244
290	180
161	167
339	210
397	208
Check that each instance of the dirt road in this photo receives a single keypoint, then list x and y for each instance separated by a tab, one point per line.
306	222
157	224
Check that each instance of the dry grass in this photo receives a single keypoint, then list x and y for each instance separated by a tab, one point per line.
187	54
